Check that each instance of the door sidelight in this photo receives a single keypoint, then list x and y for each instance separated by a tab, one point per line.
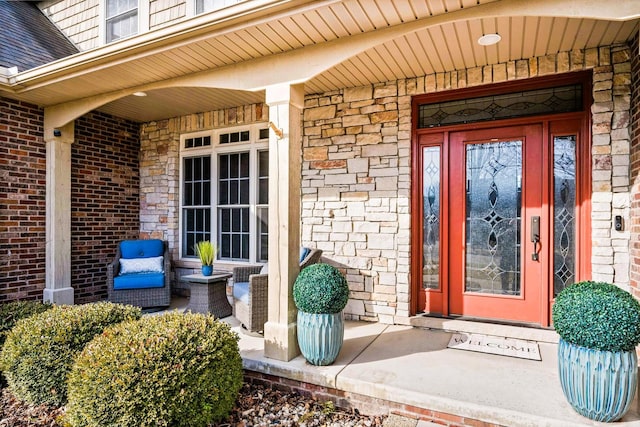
535	237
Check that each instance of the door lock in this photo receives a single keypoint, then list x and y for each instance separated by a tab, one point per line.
535	237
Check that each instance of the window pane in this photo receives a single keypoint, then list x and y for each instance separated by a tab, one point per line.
244	165
263	234
564	205
431	218
494	199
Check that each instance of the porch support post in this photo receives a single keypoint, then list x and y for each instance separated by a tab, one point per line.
58	288
285	103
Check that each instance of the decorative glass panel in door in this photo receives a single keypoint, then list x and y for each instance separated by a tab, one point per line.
564	206
493	207
431	217
496	199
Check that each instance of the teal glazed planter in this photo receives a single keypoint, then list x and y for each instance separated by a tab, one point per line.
600	385
320	336
207	270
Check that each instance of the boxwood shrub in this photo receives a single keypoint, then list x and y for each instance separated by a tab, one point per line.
597	315
171	369
13	311
320	288
39	351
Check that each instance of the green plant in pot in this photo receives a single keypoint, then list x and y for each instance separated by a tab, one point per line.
206	251
320	293
599	328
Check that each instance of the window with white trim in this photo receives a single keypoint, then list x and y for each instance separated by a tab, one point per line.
225	192
121	19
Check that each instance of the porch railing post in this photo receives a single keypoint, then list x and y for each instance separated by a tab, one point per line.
285	150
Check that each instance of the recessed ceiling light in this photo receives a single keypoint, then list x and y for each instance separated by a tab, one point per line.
139	93
489	39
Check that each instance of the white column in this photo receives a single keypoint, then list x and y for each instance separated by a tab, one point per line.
285	112
58	288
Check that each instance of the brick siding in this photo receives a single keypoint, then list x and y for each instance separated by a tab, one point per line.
105	206
105	202
22	201
634	218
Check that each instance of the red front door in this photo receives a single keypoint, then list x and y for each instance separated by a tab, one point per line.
499	214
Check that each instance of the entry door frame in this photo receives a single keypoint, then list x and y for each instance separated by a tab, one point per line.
438	136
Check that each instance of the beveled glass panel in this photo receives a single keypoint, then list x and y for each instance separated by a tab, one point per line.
431	218
564	207
493	216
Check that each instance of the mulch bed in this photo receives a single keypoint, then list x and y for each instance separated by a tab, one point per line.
256	406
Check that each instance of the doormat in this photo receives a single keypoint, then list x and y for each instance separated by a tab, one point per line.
501	346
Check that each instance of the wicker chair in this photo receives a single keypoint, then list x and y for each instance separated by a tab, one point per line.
250	292
144	289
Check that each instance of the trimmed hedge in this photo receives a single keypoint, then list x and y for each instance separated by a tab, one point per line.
321	288
597	315
172	369
13	311
39	351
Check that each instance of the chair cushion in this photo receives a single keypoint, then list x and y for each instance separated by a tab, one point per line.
241	292
303	253
141	265
138	281
141	248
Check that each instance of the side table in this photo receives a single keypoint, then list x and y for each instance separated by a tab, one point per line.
209	293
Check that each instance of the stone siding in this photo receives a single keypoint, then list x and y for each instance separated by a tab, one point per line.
160	172
356	173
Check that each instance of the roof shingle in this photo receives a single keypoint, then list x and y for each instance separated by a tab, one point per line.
29	39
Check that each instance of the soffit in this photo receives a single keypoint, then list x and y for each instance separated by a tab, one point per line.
446	47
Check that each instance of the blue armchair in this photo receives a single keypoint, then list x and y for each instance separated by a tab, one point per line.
140	274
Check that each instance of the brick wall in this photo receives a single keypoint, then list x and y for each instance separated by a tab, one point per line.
105	203
22	201
634	219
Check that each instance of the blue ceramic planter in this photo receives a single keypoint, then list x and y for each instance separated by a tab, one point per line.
207	270
320	337
600	385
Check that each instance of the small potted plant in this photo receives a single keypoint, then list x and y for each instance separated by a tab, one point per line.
320	293
599	328
206	251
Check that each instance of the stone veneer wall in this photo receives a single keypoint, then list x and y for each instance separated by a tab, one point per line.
356	173
160	171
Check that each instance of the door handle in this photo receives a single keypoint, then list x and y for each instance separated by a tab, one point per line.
535	237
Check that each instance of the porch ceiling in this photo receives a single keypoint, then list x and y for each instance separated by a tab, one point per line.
217	40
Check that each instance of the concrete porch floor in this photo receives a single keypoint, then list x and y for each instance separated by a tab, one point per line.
412	365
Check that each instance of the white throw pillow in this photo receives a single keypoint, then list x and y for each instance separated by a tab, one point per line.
141	265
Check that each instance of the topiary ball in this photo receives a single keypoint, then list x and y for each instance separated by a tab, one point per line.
597	315
39	351
321	288
13	311
172	369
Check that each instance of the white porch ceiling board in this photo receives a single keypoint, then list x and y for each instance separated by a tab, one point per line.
516	37
376	16
389	10
568	41
313	34
318	22
273	37
298	33
333	21
245	44
360	16
219	52
208	56
419	53
405	9
287	35
439	41
409	61
556	34
345	18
